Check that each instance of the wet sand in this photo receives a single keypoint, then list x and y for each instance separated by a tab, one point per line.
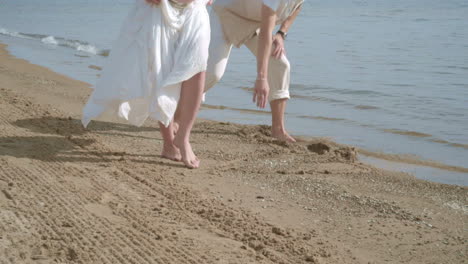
104	195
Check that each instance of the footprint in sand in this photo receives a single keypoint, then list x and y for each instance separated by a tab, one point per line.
5	196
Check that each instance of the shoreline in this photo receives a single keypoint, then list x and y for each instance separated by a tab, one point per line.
103	195
407	163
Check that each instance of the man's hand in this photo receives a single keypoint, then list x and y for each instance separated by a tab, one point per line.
153	2
261	91
210	2
278	43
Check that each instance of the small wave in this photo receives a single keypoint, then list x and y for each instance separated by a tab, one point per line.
6	32
322	118
334	90
397	11
406	133
424	135
78	45
94	67
346	51
457	67
298	86
440	141
316	98
397	49
306	97
104	53
242	110
398	84
459	84
366	107
456	145
374	16
87	48
410	159
251	111
421	20
400	70
442	72
397	63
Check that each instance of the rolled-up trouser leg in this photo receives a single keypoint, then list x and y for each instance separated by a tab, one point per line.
219	52
279	72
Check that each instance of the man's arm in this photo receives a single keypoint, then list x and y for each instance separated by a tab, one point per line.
278	39
262	89
290	20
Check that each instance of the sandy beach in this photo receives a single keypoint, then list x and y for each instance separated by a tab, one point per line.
104	195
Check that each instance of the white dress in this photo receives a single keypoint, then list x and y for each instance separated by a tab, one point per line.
159	47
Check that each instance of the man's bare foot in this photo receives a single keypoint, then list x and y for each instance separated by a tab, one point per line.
171	152
283	136
188	157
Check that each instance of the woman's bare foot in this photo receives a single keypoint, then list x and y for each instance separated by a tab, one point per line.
175	127
188	157
171	152
283	136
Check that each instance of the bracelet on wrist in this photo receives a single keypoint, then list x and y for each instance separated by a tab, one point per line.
282	34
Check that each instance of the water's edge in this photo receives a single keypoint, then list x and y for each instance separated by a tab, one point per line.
422	169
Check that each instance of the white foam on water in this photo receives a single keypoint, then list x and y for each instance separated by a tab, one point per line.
59	41
50	40
79	46
87	48
6	32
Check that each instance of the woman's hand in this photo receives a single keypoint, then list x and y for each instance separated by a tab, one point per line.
261	91
278	43
153	2
210	2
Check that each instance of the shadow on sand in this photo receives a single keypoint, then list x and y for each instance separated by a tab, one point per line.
65	140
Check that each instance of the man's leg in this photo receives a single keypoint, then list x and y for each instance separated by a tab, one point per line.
278	79
278	129
219	52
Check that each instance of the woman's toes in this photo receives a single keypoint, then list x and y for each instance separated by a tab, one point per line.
171	153
196	162
190	165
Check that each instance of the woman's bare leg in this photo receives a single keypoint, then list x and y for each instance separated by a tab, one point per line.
170	151
189	103
175	122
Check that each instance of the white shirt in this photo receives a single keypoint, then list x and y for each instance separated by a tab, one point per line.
252	9
240	19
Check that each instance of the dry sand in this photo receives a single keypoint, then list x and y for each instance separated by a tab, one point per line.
103	195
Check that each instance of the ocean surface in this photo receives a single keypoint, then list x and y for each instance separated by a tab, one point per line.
386	76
